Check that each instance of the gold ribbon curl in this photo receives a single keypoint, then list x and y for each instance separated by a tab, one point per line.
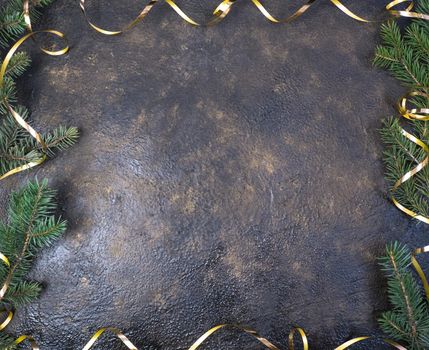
19	119
267	344
223	9
421	114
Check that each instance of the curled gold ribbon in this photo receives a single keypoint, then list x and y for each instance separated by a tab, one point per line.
224	8
115	331
414	113
27	19
4	288
9	318
421	114
30	339
407	12
419	269
248	331
19	119
251	332
219	14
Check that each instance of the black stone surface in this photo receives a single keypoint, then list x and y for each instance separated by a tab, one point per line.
224	174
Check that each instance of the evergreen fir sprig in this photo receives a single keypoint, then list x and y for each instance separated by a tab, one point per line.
18	147
12	23
408	321
7	342
31	225
406	56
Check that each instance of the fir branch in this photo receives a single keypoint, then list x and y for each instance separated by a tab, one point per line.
12	23
409	320
18	64
406	56
7	342
18	147
31	225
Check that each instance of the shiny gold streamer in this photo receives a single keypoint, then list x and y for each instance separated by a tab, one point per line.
405	13
251	332
223	9
19	119
30	339
419	269
9	318
421	114
248	331
4	288
115	331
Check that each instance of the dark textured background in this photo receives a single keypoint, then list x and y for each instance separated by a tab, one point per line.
224	174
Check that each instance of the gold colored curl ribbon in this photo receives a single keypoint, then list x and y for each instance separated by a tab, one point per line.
268	345
421	114
412	114
19	119
115	331
223	9
405	13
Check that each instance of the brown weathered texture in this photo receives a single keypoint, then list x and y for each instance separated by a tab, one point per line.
224	174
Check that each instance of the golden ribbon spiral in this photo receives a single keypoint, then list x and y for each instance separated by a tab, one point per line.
223	9
421	114
267	344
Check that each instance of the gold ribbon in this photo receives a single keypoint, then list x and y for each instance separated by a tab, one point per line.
4	288
248	331
419	269
9	318
221	11
407	12
224	8
115	331
267	344
19	119
30	339
421	114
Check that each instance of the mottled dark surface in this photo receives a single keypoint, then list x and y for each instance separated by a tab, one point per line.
224	174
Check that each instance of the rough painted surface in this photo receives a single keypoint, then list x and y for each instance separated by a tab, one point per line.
225	174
